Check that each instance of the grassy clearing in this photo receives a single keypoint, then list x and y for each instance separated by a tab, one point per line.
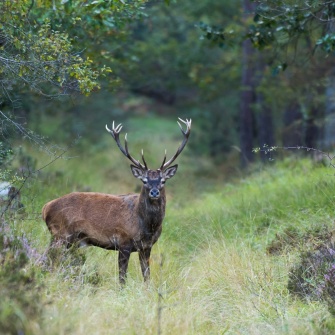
221	265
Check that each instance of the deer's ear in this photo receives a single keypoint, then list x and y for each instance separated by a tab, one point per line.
170	172
137	172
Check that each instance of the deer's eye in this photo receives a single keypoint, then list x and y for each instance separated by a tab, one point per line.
145	181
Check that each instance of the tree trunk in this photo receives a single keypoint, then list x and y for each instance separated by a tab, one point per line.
265	130
329	121
247	95
265	127
312	131
293	134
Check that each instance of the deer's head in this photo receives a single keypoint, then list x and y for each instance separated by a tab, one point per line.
153	180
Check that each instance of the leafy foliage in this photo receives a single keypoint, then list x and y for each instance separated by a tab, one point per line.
283	21
213	33
42	43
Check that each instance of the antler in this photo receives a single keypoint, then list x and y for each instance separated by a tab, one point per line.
115	134
186	134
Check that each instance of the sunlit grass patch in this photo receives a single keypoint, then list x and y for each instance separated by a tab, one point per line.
245	292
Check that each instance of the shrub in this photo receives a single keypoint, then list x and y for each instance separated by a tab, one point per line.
314	277
20	306
70	265
293	237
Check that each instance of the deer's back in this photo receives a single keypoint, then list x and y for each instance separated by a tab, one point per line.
101	217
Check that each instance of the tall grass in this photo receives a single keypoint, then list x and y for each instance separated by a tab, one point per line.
213	271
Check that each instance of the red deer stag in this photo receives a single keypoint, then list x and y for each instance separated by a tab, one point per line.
126	223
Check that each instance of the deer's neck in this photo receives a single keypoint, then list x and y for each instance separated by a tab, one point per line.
151	212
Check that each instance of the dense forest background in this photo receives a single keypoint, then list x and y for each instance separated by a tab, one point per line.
248	238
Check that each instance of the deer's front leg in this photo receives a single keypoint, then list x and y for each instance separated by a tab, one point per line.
124	255
144	256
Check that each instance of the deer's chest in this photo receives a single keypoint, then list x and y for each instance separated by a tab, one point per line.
148	235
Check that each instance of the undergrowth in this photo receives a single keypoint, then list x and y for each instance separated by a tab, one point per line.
20	304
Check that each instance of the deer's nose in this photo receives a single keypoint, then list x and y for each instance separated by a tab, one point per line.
154	193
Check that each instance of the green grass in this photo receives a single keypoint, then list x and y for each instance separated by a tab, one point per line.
211	267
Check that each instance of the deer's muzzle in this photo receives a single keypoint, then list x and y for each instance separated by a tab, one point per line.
154	193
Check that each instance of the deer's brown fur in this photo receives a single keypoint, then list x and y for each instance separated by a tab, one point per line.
104	220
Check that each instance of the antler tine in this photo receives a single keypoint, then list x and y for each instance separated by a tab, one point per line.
135	161
115	132
164	159
186	134
118	128
144	162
